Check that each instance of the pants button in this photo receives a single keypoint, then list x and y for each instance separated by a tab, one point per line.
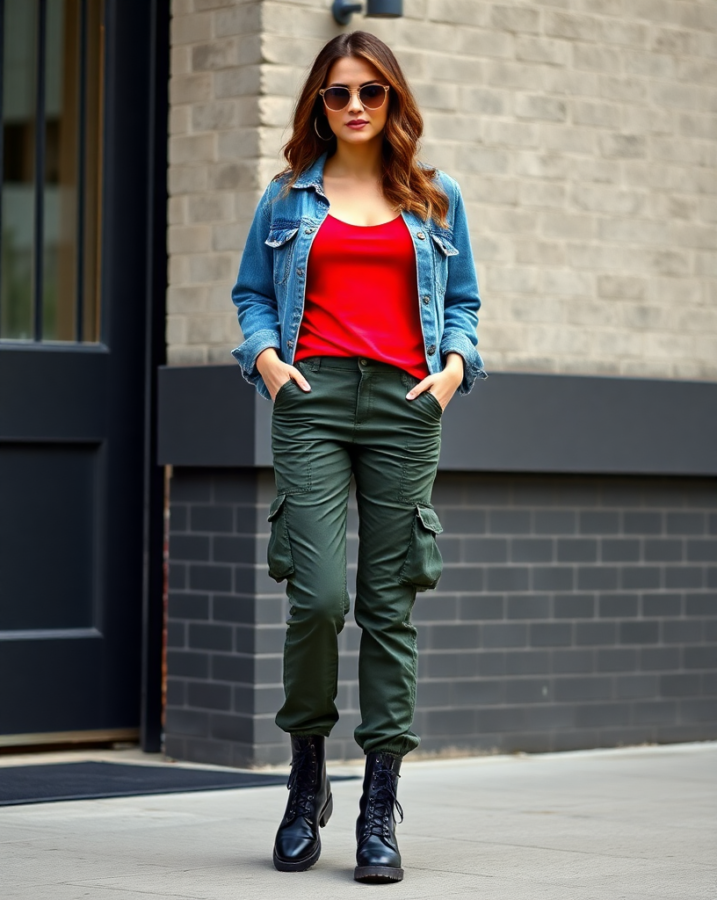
363	362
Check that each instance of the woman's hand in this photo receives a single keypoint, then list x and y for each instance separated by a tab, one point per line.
276	373
444	384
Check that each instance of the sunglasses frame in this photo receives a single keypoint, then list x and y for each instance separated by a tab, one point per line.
357	91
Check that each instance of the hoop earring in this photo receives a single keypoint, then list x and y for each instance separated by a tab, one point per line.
316	129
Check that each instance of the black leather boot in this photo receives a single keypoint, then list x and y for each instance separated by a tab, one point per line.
298	845
377	857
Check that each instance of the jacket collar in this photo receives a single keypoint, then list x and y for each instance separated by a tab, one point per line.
313	177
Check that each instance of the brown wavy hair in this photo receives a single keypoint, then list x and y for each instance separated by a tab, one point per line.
407	184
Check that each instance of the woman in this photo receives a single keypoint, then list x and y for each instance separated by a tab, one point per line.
357	298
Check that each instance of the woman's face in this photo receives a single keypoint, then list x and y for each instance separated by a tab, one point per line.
355	124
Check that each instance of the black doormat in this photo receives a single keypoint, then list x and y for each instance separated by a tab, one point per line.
94	780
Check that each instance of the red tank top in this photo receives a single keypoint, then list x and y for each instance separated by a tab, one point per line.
362	296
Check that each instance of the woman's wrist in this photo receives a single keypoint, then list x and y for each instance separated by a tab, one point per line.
454	366
266	359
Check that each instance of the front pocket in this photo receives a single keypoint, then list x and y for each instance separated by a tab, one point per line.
434	402
282	390
424	564
281	562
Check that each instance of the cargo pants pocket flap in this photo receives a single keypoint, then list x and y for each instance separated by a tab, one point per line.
424	564
429	519
276	507
279	557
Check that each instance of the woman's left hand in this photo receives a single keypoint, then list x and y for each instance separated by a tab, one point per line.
444	384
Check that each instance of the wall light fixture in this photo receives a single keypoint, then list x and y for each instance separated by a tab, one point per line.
378	9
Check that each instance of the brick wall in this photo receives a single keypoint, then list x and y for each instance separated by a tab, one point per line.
583	133
214	176
572	612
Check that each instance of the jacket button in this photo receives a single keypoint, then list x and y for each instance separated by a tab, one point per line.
421	236
299	271
431	349
308	231
426	300
289	343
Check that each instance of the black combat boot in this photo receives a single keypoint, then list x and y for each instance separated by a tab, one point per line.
377	857
298	845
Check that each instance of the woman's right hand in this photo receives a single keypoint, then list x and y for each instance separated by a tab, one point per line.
276	373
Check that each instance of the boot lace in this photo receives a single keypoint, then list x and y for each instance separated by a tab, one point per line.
301	783
381	804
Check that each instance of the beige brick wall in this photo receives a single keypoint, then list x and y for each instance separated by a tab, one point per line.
215	148
583	134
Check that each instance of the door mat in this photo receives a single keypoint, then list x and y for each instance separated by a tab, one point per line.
95	780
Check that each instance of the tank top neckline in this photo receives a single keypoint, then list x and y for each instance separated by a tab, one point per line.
351	225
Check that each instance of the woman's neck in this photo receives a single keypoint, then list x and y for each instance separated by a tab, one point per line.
360	163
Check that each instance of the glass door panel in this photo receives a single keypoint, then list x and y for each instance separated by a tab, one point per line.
51	148
19	92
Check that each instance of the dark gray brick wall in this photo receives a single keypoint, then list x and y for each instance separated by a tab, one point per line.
211	627
572	613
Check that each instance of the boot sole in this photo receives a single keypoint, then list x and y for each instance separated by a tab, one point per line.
301	865
378	874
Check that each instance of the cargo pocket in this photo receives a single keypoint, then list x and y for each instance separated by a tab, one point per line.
424	564
281	562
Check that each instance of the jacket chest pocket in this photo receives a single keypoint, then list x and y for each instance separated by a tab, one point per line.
443	250
281	240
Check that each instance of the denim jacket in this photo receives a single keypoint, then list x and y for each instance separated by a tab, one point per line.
271	286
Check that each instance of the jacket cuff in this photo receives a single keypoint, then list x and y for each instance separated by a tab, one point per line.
457	342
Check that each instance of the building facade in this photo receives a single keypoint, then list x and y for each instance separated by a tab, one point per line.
577	486
577	604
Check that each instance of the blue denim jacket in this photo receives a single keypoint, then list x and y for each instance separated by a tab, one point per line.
271	286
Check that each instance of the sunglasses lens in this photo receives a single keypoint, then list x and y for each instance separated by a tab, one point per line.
372	96
336	98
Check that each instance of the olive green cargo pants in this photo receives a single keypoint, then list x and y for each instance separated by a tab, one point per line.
356	420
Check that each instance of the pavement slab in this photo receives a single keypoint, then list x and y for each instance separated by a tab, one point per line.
629	824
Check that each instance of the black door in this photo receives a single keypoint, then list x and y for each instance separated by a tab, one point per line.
80	304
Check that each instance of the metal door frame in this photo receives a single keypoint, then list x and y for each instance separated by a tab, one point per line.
133	256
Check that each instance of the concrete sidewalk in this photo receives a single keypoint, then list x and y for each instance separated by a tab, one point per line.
599	825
